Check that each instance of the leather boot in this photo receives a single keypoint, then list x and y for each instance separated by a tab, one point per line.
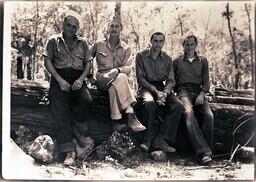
134	123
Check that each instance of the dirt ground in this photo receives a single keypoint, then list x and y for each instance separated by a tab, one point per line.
173	169
18	165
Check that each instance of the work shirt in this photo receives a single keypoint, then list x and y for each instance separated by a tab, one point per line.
149	70
107	58
57	51
194	74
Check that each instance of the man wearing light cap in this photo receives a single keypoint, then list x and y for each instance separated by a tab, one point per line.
67	58
114	64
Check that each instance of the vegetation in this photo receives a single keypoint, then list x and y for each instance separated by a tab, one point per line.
224	30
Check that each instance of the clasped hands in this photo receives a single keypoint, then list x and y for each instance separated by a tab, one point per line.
161	98
66	87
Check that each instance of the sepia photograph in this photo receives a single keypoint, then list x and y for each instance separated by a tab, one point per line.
128	90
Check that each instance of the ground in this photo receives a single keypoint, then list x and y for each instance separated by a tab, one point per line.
177	167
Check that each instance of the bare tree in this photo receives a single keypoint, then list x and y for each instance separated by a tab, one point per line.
228	15
180	20
247	8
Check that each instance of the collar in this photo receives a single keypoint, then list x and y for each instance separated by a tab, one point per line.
120	44
184	56
148	53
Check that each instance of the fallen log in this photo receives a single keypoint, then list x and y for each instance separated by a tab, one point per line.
29	107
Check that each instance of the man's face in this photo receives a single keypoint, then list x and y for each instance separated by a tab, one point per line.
114	29
70	26
190	46
157	42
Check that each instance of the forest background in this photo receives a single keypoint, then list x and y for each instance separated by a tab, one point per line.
225	31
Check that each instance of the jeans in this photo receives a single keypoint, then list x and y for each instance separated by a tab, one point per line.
67	107
171	113
200	130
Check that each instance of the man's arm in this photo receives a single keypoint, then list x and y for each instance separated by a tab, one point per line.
206	82
170	82
140	74
48	59
86	67
64	85
127	67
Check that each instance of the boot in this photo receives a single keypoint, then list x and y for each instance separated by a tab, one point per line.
161	144
134	123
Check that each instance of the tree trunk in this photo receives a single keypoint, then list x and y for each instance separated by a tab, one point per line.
247	9
180	21
237	74
29	107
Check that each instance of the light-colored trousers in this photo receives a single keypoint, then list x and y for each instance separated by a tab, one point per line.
120	96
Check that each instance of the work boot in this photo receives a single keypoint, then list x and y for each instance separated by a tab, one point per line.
160	143
117	126
134	123
206	159
70	159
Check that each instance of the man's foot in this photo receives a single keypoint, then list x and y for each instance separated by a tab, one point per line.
117	126
206	159
144	147
163	145
70	159
134	123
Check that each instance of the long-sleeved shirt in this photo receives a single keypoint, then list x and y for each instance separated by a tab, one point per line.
57	51
107	59
150	70
194	73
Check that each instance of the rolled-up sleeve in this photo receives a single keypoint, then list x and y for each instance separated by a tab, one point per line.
205	80
127	67
140	74
170	82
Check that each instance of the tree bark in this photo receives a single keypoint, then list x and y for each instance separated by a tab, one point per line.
247	9
237	74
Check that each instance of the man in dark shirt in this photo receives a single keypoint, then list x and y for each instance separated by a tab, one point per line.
153	68
67	60
192	82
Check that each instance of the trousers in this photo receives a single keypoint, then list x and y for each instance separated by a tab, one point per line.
171	113
67	107
120	96
199	121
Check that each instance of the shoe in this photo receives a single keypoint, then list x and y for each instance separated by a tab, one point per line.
206	159
70	159
161	144
144	147
117	126
134	123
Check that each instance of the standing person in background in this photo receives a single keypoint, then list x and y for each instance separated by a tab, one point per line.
153	68
114	63
192	82
67	59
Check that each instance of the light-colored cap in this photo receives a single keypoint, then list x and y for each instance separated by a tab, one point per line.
117	19
73	14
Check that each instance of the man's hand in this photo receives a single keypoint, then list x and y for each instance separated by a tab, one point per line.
64	85
161	98
77	84
113	73
199	99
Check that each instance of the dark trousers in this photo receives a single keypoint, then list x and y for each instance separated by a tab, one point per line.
199	121
164	127
67	107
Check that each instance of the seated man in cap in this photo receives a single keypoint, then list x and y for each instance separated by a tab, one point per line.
153	68
114	65
67	58
192	82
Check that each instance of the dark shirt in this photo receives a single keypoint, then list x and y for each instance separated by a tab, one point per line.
150	70
193	73
57	51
